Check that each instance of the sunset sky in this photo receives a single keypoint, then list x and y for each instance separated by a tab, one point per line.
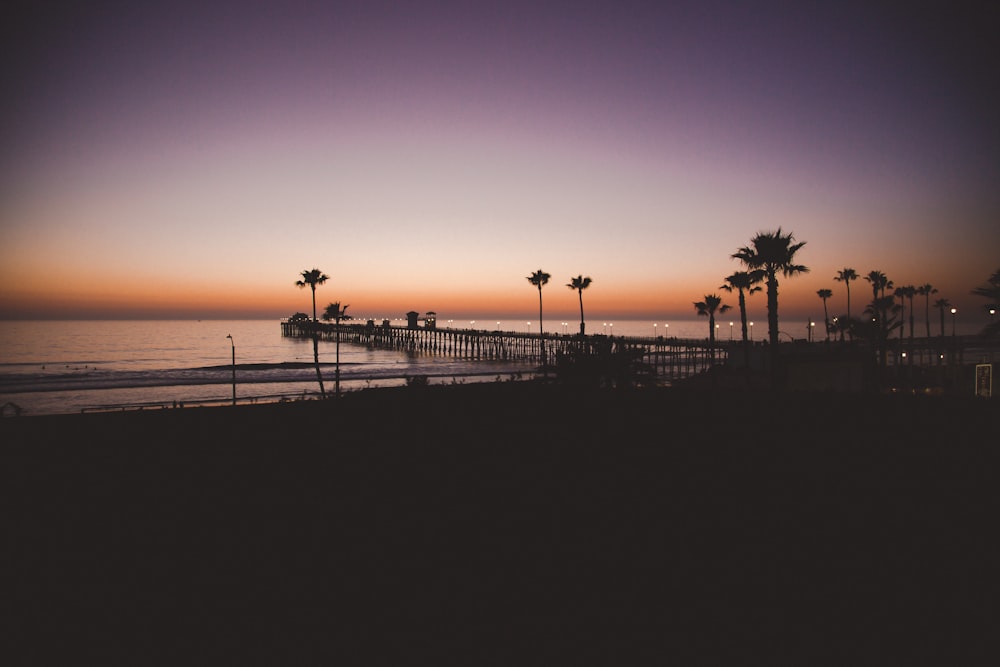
191	159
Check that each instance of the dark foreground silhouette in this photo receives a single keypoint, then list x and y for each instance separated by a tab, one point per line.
506	524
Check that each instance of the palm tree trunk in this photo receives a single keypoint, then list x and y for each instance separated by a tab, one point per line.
772	309
711	339
927	314
746	339
826	321
582	326
848	283
319	376
541	328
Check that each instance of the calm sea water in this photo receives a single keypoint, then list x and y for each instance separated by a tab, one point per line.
54	367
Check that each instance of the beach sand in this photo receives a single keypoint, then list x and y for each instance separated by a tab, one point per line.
507	524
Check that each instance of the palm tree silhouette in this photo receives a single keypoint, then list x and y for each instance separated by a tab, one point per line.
845	275
990	291
909	292
925	291
312	278
942	305
772	252
709	307
826	294
880	283
539	278
900	293
745	283
579	284
336	313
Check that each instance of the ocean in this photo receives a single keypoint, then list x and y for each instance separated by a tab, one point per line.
58	367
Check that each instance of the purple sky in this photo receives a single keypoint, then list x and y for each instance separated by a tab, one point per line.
435	153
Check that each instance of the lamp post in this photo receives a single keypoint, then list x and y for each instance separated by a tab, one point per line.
751	331
654	329
811	325
233	343
953	311
730	332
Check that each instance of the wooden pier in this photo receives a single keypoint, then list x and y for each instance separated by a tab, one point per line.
909	364
660	358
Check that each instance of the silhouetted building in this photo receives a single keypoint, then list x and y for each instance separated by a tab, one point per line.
430	320
411	319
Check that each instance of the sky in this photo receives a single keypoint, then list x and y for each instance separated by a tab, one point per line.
192	159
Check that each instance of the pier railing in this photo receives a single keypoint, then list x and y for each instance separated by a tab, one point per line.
910	361
663	357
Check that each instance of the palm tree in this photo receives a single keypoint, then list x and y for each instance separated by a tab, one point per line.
711	305
539	278
925	291
880	283
942	305
900	293
990	291
312	278
579	284
909	291
845	275
745	283
772	252
336	313
826	294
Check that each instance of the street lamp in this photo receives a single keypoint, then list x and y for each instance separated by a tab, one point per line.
751	331
811	325
953	311
730	332
233	343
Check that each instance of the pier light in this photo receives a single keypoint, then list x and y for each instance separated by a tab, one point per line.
751	331
654	329
730	331
528	329
612	325
953	311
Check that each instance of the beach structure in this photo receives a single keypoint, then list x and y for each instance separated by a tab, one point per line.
658	357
